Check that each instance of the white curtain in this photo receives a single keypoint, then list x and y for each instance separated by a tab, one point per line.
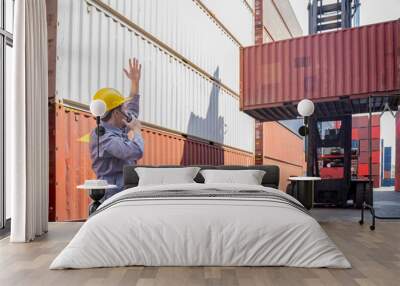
27	124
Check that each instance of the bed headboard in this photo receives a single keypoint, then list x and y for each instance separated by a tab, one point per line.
270	179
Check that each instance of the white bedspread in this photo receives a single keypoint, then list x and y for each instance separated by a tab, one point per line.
200	231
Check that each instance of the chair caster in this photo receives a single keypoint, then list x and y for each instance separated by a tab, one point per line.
361	222
372	227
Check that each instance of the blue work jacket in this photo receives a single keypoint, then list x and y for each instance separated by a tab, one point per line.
116	150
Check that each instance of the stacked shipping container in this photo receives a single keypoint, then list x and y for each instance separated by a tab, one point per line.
185	97
72	164
189	89
283	148
360	134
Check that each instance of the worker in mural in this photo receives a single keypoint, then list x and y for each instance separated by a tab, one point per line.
121	142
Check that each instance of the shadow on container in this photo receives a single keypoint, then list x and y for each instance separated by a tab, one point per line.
195	152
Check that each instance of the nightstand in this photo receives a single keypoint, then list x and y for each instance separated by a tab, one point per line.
97	190
302	188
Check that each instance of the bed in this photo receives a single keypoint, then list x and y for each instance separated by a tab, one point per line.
198	224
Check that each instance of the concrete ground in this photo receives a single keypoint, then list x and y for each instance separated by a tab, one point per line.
387	203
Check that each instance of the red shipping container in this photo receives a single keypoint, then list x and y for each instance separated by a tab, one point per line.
375	143
359	121
376	157
72	164
363	133
363	157
354	134
331	173
349	64
375	134
375	169
363	169
376	182
362	121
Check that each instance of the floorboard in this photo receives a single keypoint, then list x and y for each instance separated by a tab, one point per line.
375	257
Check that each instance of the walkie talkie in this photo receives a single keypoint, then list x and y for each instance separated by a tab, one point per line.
128	116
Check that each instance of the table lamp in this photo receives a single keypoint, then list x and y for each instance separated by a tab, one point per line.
305	108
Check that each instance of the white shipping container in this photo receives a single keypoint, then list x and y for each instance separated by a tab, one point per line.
251	3
280	20
236	15
188	29
93	48
288	14
266	37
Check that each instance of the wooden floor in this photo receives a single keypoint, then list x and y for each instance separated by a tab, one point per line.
375	257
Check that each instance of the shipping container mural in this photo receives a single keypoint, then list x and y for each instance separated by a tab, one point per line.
71	165
189	87
92	51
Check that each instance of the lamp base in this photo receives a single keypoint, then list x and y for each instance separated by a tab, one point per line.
96	195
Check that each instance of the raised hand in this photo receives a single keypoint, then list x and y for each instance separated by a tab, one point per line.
133	73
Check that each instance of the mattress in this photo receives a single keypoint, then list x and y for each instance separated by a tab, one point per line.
201	225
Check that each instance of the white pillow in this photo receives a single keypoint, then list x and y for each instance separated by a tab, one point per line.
249	177
166	176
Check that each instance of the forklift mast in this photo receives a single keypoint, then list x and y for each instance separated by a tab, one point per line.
329	15
330	157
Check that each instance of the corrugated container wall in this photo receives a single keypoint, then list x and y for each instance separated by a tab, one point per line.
360	134
350	62
282	147
182	68
189	30
73	166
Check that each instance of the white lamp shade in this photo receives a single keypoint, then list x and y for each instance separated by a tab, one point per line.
305	107
98	107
